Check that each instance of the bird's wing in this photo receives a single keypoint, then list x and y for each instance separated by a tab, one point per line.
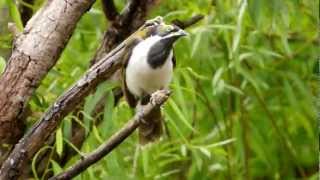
174	59
132	101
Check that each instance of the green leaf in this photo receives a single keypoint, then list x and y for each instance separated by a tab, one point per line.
205	152
15	15
97	134
59	141
34	161
180	114
73	147
2	64
175	127
196	43
56	167
217	76
108	115
233	89
237	35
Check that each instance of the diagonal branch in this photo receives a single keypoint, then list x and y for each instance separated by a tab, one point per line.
39	133
160	97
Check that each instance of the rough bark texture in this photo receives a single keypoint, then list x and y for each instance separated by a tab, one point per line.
158	99
39	133
35	51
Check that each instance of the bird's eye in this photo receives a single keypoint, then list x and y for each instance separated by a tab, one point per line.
150	23
170	28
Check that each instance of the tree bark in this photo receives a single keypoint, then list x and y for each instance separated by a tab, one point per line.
35	51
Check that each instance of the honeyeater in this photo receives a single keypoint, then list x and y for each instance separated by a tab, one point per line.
149	68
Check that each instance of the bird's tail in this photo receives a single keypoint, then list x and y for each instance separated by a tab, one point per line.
150	128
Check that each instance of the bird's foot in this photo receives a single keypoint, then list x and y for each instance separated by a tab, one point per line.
158	97
141	116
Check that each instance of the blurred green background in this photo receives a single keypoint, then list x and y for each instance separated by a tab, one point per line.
244	93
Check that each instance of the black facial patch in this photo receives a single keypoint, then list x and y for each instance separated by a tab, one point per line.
159	52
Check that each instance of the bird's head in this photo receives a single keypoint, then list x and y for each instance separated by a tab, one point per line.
169	33
157	27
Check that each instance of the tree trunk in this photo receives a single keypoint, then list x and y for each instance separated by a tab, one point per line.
35	51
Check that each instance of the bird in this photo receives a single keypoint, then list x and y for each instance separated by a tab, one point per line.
148	68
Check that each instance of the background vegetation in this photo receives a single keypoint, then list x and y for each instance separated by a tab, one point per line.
244	93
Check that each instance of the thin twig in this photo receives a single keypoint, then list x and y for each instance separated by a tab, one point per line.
159	98
129	10
188	22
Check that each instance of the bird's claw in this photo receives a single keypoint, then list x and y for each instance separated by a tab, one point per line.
158	96
141	116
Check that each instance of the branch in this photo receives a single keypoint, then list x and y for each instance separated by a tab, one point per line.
109	9
129	10
189	22
159	97
39	133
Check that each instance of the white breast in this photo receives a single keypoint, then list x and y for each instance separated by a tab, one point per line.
140	77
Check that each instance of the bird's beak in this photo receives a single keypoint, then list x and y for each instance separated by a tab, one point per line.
180	33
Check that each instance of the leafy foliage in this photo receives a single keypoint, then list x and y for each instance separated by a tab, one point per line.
244	94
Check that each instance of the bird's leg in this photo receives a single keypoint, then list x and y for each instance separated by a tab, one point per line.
140	105
145	99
